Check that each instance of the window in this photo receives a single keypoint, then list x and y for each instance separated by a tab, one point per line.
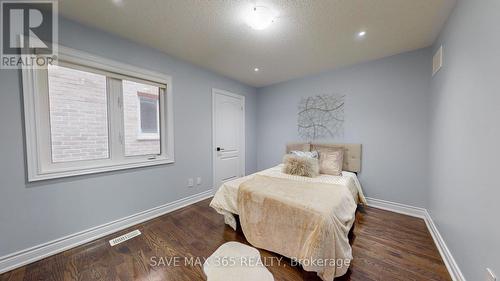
141	113
89	114
78	115
148	108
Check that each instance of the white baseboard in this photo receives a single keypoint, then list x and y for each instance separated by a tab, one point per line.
451	264
26	256
449	261
397	207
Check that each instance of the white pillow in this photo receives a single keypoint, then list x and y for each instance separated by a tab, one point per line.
308	154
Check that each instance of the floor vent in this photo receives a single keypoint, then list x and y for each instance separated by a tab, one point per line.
124	237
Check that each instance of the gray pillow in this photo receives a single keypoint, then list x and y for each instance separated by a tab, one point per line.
300	166
310	154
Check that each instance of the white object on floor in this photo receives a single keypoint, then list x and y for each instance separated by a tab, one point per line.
236	261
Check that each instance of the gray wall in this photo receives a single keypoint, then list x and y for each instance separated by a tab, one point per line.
465	137
31	214
386	111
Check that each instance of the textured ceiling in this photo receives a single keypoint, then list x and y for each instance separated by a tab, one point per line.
309	36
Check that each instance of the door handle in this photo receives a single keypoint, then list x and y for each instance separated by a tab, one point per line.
219	149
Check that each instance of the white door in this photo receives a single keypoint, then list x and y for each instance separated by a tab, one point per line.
228	136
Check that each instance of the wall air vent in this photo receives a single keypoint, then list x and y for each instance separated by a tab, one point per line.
437	61
124	237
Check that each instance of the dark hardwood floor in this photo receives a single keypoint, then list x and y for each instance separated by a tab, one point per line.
386	246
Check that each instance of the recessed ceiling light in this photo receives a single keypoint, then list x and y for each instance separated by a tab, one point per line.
256	69
260	17
118	2
362	34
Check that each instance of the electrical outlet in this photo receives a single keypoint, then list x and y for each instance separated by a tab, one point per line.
490	276
190	182
198	180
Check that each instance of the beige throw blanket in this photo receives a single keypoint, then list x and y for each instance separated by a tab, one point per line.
308	222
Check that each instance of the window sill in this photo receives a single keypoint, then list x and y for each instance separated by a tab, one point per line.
93	170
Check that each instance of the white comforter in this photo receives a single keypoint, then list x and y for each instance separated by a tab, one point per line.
225	200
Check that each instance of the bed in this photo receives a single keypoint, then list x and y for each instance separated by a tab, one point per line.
305	219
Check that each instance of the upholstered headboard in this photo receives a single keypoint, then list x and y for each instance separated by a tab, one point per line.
352	152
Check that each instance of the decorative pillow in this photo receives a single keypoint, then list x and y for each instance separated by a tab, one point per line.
300	166
331	161
310	154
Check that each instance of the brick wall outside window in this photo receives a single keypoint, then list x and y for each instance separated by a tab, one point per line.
78	117
134	145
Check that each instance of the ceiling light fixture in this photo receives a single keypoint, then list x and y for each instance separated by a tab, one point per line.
362	34
260	17
256	69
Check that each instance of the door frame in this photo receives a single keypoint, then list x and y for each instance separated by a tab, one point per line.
216	91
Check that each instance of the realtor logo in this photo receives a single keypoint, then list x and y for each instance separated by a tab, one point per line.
29	33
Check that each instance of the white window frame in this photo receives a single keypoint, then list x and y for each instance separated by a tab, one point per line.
37	118
140	134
